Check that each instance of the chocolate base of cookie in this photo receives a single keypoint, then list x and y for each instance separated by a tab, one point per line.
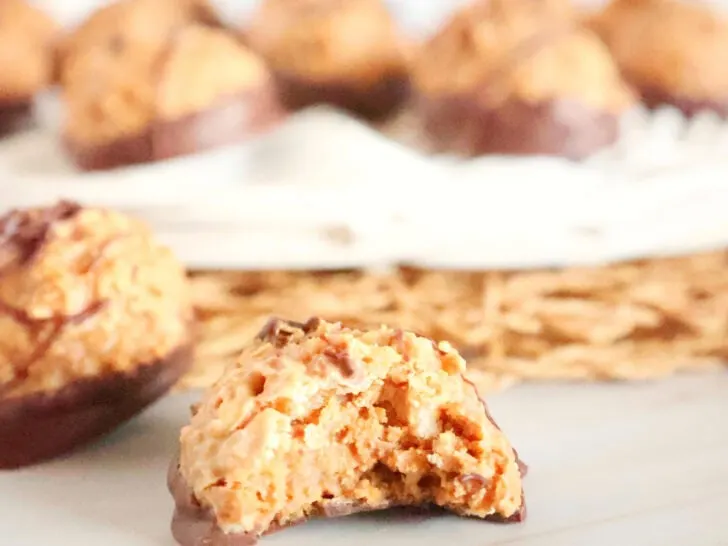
567	128
193	525
42	426
654	98
231	120
372	102
15	115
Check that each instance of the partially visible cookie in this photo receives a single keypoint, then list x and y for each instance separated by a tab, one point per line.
672	51
145	80
95	324
318	419
345	53
27	60
519	77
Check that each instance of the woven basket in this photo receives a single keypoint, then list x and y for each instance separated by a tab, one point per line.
630	321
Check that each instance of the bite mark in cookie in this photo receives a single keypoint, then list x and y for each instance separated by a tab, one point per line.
322	420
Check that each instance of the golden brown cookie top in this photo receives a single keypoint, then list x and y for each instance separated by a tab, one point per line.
318	415
111	65
328	39
203	66
134	27
669	46
27	50
523	50
84	292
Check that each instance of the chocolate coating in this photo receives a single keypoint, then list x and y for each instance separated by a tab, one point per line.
194	525
14	116
654	97
564	127
232	120
372	102
45	425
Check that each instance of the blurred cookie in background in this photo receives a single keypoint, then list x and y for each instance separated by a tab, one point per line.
519	77
146	80
673	52
28	38
347	54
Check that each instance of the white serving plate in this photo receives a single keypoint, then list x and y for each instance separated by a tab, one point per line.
638	464
326	191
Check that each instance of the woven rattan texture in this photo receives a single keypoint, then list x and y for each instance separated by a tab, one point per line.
629	321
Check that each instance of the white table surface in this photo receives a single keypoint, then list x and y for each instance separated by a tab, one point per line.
636	464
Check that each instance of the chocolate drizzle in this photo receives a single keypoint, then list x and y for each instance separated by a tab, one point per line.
278	331
24	233
520	514
27	231
44	333
340	358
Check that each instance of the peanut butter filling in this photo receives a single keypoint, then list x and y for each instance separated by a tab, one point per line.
318	417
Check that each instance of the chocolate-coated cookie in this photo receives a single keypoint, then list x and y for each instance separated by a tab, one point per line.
519	77
28	40
145	80
346	54
95	323
674	52
321	420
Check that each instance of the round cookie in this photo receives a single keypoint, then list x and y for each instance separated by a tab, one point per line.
347	54
318	419
519	77
95	321
146	80
27	60
672	51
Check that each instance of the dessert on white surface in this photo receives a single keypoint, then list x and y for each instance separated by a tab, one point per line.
608	472
324	190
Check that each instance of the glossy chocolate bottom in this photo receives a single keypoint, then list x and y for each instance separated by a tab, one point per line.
229	121
373	102
565	128
41	426
15	115
654	97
